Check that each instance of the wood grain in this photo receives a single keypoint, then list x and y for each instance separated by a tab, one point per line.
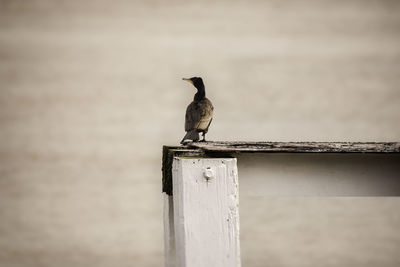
298	147
206	212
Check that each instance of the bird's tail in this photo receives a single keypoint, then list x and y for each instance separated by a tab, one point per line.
192	135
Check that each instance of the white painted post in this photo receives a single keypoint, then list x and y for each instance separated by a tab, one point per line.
204	230
169	232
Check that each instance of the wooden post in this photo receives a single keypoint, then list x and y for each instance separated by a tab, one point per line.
169	232
201	219
200	183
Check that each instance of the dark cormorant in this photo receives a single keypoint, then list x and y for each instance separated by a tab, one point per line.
198	114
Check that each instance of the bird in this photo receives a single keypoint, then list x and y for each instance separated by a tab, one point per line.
199	113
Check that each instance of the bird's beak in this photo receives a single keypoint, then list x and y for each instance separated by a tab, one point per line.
188	80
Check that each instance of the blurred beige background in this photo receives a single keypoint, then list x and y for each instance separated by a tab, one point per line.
90	91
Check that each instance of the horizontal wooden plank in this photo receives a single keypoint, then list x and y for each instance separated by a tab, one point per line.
226	149
298	147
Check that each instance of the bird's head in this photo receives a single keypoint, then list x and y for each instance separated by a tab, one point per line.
196	81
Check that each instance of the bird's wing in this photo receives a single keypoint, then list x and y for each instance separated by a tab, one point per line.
193	116
208	126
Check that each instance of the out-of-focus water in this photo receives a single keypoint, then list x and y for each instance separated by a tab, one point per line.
89	92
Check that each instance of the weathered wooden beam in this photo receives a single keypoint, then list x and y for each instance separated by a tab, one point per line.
298	147
227	149
201	218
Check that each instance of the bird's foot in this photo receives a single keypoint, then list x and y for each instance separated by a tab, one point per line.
185	142
204	138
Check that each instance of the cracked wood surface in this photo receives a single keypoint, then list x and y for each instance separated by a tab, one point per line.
227	148
297	147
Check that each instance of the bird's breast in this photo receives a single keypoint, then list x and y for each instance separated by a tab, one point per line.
204	122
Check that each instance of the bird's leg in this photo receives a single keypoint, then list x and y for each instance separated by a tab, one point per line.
204	137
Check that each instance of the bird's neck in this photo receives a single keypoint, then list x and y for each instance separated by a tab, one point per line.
201	94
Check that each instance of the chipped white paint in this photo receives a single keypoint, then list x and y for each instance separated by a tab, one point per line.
205	214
